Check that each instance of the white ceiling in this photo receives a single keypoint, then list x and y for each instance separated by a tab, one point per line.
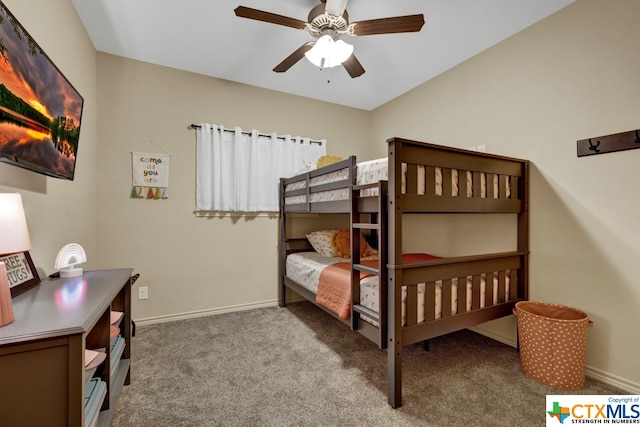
205	37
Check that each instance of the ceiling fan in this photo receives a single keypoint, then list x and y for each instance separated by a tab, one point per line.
330	18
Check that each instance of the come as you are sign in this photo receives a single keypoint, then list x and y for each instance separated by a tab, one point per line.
150	175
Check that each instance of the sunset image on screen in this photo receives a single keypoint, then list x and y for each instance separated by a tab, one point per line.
40	111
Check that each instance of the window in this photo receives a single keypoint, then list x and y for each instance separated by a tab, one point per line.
240	171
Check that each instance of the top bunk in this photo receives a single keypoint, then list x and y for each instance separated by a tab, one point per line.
422	177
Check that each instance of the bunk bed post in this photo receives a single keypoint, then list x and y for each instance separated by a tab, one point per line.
282	248
523	232
354	217
383	218
394	277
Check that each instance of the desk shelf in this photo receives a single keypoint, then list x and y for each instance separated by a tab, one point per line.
42	351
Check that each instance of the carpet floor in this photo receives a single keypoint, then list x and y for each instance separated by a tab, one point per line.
298	366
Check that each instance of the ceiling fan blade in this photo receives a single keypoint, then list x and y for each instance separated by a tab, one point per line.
272	18
335	7
353	66
397	24
292	59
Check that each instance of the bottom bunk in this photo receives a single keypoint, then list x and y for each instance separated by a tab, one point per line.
327	279
427	300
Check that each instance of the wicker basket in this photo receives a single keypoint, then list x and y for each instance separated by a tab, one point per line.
553	343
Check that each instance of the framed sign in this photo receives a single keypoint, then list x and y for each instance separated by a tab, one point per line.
21	272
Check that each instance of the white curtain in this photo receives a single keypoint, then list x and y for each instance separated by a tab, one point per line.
240	172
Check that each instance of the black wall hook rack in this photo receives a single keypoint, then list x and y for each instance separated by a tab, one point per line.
609	143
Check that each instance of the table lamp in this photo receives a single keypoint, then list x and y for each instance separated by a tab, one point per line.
14	238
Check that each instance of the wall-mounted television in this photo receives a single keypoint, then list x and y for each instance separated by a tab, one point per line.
40	111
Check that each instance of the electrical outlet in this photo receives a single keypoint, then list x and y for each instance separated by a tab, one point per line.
473	148
143	292
482	148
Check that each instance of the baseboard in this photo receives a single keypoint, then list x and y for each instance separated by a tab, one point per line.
613	380
212	311
591	372
501	338
202	313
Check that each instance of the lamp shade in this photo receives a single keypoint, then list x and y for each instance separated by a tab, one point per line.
14	235
328	53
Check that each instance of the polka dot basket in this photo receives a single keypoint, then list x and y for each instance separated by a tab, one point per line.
553	343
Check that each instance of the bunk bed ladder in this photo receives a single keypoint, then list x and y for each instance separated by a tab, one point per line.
376	224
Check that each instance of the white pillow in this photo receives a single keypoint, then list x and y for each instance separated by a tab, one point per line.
322	242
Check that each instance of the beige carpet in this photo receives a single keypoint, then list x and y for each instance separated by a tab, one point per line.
299	367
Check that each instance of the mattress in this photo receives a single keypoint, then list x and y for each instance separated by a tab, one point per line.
304	268
372	171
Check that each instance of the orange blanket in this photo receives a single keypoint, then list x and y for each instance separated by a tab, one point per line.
334	285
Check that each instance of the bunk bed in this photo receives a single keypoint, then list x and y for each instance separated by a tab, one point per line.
418	297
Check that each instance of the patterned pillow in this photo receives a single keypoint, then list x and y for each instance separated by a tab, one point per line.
322	242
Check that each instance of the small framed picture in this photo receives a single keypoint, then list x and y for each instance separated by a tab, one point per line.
21	272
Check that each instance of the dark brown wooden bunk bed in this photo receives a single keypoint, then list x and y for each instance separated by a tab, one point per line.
421	164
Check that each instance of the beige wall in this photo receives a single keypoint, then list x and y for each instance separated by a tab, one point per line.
572	76
59	211
569	77
194	264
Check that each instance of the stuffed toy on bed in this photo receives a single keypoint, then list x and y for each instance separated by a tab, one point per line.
327	160
342	244
336	243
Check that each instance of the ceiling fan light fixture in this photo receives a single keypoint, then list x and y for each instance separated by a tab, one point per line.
328	53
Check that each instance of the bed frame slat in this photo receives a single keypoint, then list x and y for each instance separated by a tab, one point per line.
366	312
430	178
488	292
446	183
436	204
446	297
412	305
462	295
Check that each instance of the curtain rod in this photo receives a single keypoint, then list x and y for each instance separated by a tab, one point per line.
192	126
